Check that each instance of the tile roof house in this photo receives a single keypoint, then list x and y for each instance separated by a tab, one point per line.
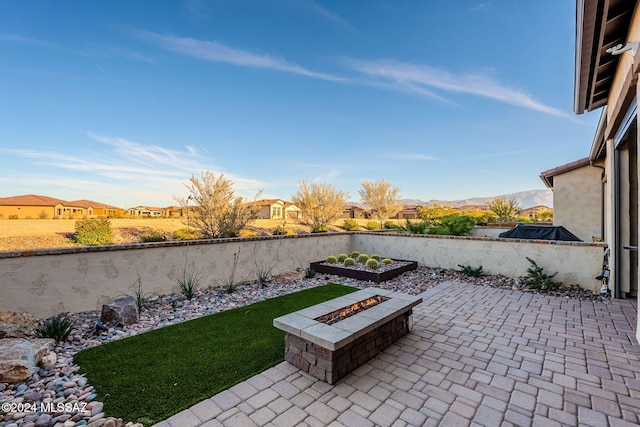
99	209
277	209
36	206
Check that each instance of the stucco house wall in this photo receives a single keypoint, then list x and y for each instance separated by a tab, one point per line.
577	202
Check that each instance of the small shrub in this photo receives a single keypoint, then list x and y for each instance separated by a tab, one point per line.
538	279
189	280
470	271
187	234
247	233
153	236
350	225
372	263
12	217
355	254
138	293
387	261
93	232
362	258
279	231
309	273
332	260
43	215
342	257
349	262
58	327
376	257
390	225
372	225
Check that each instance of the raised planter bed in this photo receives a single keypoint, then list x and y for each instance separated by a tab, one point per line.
362	273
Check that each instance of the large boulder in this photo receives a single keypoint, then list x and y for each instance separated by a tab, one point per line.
120	312
16	325
19	358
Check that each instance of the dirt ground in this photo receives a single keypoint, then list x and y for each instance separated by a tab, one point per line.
21	234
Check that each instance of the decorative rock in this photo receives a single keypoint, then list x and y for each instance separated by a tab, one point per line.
120	312
16	325
48	361
19	358
43	420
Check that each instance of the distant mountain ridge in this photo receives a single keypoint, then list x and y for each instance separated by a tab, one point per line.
524	199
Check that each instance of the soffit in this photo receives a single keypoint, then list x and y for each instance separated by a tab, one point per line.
600	25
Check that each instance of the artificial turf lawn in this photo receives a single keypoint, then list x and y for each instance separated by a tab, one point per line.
151	376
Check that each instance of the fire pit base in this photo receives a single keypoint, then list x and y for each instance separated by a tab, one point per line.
329	352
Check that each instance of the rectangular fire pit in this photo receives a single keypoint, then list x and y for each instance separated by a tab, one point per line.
331	351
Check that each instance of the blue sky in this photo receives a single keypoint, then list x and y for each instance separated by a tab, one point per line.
121	102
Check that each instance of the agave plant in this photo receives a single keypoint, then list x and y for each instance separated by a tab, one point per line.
58	327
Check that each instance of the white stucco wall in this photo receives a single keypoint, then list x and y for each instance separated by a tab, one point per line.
577	202
77	279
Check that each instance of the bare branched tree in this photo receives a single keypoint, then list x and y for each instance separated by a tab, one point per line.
505	210
320	204
382	198
217	211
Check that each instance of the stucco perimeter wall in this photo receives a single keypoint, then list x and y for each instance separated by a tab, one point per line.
575	262
48	282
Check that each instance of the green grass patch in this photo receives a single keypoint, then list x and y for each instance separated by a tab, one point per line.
151	376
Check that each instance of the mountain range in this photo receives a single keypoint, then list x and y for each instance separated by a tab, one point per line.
524	199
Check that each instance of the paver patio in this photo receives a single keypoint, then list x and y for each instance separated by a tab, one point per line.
476	356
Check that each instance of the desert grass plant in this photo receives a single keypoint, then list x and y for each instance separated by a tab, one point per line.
151	376
93	232
57	327
309	273
538	279
138	293
189	280
372	264
470	271
187	234
349	262
229	283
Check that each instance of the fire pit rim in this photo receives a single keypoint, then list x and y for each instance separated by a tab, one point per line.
302	323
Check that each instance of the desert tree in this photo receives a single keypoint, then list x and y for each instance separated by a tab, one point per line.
319	203
507	210
217	211
382	199
433	214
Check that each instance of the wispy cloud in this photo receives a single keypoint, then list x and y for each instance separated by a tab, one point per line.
213	51
411	156
324	13
423	80
117	163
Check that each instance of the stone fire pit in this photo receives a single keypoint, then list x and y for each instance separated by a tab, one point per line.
329	352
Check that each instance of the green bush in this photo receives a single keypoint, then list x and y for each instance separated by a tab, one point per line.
470	271
279	231
387	261
355	254
342	257
372	225
372	263
350	225
538	279
376	257
187	234
362	258
390	225
349	262
58	327
93	232
454	225
331	260
153	236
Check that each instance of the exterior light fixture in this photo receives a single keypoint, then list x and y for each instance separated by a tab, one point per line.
620	48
